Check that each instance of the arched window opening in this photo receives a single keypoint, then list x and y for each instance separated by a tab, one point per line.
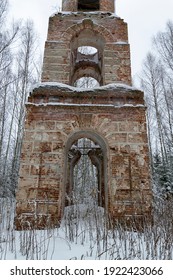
85	185
88	5
86	82
87	49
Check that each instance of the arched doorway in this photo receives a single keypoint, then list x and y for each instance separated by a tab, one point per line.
86	171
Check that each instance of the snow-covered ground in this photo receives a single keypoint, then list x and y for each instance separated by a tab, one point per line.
83	235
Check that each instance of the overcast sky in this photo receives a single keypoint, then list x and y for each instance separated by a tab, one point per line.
144	17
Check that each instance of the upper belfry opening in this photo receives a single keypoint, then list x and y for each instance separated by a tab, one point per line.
88	5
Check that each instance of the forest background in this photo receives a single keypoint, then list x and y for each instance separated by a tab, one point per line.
20	69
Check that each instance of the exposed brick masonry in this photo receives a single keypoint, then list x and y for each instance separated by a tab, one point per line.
64	28
58	115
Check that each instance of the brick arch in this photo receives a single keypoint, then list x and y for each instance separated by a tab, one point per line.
87	34
90	71
101	142
90	134
87	23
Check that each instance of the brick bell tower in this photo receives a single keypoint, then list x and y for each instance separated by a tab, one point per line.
110	117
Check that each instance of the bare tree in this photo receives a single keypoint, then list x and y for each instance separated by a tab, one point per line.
163	42
27	75
157	83
7	40
151	84
19	70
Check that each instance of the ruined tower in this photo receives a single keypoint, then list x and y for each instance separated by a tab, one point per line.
110	116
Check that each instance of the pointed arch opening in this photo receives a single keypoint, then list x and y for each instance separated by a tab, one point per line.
86	171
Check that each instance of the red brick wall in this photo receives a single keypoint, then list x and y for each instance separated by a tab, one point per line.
64	29
118	117
57	114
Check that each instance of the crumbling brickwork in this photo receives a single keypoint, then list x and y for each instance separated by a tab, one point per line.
58	114
104	31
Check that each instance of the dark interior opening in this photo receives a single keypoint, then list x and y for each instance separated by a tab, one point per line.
88	5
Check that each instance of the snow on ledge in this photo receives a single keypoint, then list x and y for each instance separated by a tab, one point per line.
66	13
121	43
84	105
61	86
